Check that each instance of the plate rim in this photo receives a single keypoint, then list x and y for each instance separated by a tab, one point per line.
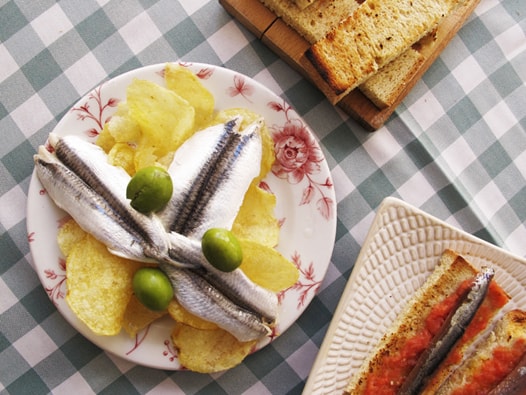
153	68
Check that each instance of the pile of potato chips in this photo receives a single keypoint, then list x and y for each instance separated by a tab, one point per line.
146	130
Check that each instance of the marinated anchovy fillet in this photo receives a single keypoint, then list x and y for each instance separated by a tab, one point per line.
514	383
209	187
101	212
202	299
235	285
453	329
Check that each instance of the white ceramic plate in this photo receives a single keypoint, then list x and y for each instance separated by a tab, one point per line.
402	247
306	204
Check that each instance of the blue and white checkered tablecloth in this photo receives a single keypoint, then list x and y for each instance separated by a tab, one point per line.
455	147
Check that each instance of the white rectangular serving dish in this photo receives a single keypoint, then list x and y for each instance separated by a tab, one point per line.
401	249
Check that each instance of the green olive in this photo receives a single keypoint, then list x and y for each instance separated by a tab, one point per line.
222	249
153	288
149	189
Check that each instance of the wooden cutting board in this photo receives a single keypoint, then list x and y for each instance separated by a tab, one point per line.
291	47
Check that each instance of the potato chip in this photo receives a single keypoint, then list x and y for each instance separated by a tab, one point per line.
123	127
247	115
120	128
208	351
180	314
266	267
105	140
99	286
183	82
123	155
256	220
69	235
269	156
144	156
165	118
137	316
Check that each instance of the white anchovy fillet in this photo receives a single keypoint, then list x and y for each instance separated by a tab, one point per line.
90	163
211	173
453	328
78	178
234	285
215	181
198	296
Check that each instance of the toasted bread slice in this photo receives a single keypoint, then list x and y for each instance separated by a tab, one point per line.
312	23
384	86
412	331
493	359
376	33
315	22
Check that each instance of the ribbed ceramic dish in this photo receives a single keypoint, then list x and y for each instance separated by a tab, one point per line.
401	249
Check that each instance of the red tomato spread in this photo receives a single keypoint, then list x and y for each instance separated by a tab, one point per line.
494	370
393	368
495	299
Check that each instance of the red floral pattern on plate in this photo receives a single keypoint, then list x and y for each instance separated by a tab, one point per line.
56	276
170	351
139	338
57	290
298	159
306	283
241	87
95	114
205	73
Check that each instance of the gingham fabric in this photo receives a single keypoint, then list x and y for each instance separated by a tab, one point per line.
455	147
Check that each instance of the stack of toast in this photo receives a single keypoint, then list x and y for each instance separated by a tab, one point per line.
364	55
344	53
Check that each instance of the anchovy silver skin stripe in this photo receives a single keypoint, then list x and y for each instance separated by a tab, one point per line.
204	187
239	288
187	166
90	162
198	296
235	285
215	181
72	159
126	233
452	330
74	192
